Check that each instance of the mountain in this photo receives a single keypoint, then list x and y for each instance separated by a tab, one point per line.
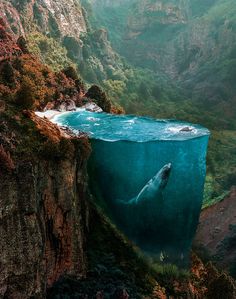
192	42
53	238
55	241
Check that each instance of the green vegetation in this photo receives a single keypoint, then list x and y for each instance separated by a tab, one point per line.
221	165
168	273
49	51
203	66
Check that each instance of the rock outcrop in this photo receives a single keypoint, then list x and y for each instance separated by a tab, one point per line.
43	218
66	17
64	23
216	234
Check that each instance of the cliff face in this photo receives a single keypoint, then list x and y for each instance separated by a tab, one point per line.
43	198
43	220
48	15
68	16
8	46
59	33
216	234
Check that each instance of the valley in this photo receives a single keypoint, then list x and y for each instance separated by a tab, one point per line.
170	59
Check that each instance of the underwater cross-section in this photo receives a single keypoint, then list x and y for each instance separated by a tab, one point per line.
148	176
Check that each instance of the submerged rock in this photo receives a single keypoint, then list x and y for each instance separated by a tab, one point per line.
186	129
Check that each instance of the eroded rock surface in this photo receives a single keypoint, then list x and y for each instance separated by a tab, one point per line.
216	232
43	216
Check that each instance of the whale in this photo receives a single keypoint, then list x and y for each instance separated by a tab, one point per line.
137	217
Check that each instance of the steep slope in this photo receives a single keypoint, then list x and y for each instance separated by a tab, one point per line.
42	193
58	32
51	16
46	217
42	235
216	233
193	77
61	35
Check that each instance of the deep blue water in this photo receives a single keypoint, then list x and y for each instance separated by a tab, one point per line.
127	152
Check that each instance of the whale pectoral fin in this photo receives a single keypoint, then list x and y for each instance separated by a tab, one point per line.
125	204
141	194
120	203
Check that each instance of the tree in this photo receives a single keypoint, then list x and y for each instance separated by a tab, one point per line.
22	44
71	73
100	97
26	94
8	73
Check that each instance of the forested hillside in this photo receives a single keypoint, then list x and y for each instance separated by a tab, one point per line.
189	44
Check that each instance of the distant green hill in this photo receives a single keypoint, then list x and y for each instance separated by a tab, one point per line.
190	46
191	42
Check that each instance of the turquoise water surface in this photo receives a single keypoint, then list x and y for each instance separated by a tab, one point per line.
127	152
112	127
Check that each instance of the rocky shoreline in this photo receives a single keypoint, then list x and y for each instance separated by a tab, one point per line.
50	114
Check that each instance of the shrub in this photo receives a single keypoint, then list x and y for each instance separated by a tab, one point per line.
73	48
8	73
25	96
169	272
71	73
6	162
222	286
49	51
21	42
